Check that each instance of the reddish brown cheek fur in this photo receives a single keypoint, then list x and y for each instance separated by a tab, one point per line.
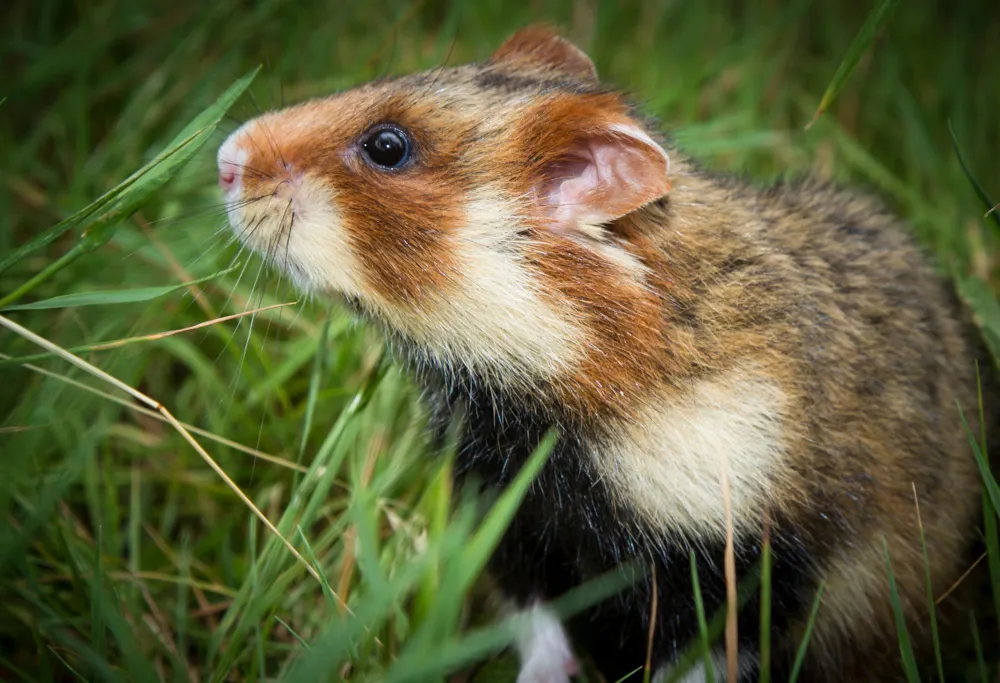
622	322
399	231
626	353
400	221
397	221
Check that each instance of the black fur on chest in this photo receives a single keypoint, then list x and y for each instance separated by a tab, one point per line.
569	529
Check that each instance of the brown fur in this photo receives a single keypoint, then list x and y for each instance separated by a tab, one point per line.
864	335
817	290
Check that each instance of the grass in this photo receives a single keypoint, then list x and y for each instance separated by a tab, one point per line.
123	555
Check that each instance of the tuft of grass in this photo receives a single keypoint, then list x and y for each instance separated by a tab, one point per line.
98	220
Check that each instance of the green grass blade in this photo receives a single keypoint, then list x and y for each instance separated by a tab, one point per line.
935	636
800	654
73	671
482	544
182	614
765	612
976	185
630	674
457	577
314	561
689	658
303	510
99	665
862	41
438	501
292	632
985	308
256	591
978	645
990	530
699	605
315	381
424	662
905	646
111	296
139	668
992	489
99	218
339	637
596	590
432	664
134	530
75	252
98	629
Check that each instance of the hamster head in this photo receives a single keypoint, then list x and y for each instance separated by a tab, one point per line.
479	213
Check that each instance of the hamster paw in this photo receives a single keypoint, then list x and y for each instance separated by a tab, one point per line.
549	668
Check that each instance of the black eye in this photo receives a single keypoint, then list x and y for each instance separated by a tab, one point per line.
387	147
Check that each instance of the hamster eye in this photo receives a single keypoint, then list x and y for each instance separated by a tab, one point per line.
387	147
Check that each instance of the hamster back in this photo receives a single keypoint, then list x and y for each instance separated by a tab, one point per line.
540	258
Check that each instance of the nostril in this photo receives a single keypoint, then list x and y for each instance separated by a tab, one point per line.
228	175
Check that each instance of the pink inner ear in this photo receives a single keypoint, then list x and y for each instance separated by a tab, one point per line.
603	178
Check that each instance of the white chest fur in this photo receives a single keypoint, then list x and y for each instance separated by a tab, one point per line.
667	465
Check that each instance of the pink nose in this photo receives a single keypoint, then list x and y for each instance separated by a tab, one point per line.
229	173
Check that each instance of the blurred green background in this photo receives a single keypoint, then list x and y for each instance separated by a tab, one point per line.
123	556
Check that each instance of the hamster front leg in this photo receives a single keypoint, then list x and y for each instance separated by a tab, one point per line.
543	647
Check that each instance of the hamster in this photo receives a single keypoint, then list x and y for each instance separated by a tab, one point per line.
541	257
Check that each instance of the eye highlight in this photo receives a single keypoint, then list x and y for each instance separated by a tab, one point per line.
387	147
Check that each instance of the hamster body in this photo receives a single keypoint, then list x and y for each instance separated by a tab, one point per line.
540	259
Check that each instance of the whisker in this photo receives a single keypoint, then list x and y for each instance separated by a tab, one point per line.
269	135
243	247
253	139
441	69
214	250
281	91
250	170
267	332
246	345
274	144
253	100
288	237
270	77
212	211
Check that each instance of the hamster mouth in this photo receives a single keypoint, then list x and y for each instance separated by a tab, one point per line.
262	223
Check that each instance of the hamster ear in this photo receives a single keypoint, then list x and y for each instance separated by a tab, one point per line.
541	46
602	177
